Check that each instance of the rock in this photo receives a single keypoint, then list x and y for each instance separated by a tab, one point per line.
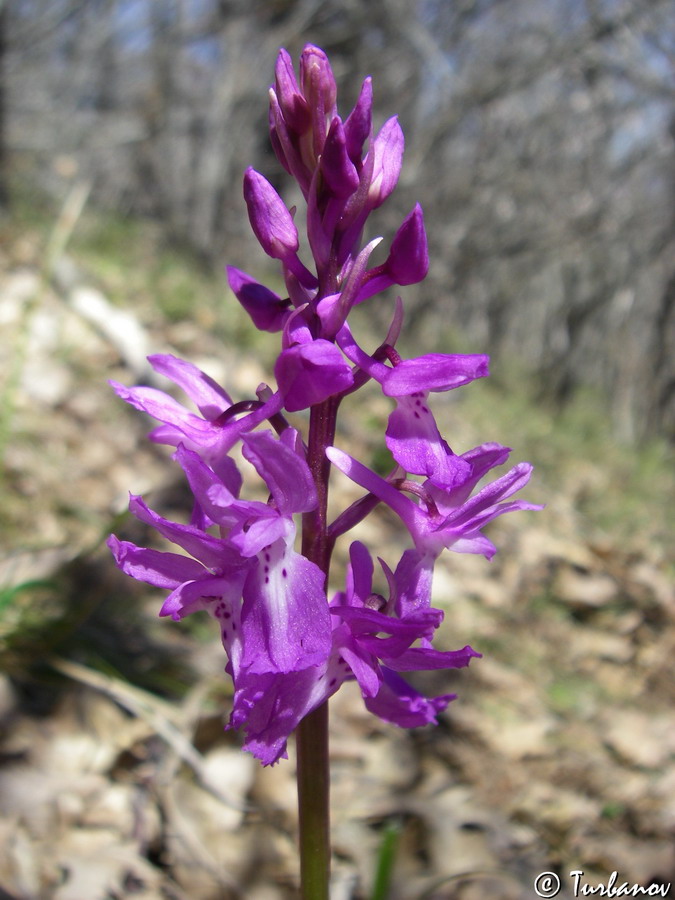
639	738
119	326
584	591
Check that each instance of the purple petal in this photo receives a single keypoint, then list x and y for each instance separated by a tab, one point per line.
434	372
415	442
473	543
320	91
447	495
270	707
321	223
285	618
418	659
285	144
401	704
155	567
413	578
212	495
195	596
308	374
205	393
285	473
367	624
364	666
163	407
258	534
210	551
316	78
485	504
359	574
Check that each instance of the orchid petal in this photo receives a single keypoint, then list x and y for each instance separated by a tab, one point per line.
434	372
399	703
205	393
285	473
308	374
155	567
285	615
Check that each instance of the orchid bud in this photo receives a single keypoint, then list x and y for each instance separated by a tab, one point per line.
387	153
293	104
359	122
270	219
267	309
408	260
336	166
317	80
318	87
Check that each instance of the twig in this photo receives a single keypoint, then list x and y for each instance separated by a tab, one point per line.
156	712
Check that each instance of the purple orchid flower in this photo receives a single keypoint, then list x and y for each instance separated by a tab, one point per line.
457	527
288	647
370	644
270	601
309	370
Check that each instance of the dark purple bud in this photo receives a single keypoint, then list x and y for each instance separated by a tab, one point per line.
292	103
387	153
408	260
270	220
359	122
267	309
336	166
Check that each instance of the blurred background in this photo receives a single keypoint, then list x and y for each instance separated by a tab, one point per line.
540	141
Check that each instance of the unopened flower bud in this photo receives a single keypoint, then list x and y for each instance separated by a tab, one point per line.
270	219
293	105
387	153
359	122
316	79
408	260
336	166
267	309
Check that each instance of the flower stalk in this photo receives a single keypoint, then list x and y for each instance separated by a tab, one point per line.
313	767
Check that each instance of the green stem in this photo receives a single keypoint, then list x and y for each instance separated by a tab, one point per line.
313	804
312	733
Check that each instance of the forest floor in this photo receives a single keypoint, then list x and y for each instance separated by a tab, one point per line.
116	777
